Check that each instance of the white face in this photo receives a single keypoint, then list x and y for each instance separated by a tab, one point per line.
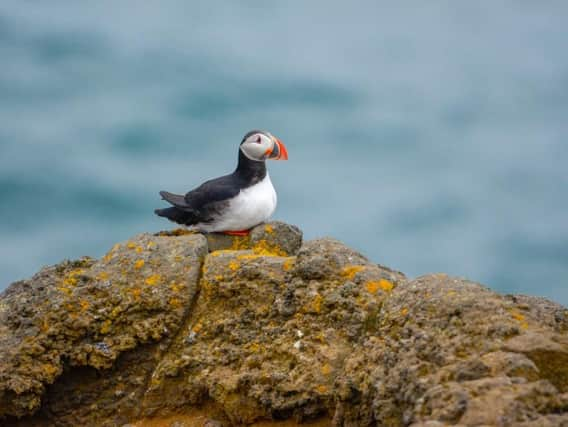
257	147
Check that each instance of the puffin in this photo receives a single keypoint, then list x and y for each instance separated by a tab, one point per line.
234	203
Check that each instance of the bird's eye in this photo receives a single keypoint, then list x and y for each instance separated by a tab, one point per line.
258	139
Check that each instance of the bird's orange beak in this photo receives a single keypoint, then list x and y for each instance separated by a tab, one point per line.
278	151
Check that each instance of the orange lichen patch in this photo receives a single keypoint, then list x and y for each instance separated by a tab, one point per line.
249	256
220	252
110	254
219	277
64	289
404	311
234	265
136	292
176	232
139	264
84	304
102	276
132	245
151	245
320	337
314	306
262	247
240	243
373	286
253	347
49	369
519	317
289	264
263	310
197	327
322	389
105	328
175	287
154	279
268	228
326	369
115	312
386	285
351	271
175	302
71	278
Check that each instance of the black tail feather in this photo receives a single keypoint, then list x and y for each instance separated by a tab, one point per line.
176	215
174	199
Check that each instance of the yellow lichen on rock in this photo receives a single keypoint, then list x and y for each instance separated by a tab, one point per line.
519	317
262	247
314	306
240	243
115	312
220	252
351	271
139	264
71	278
248	256
154	279
136	292
175	287
175	302
102	276
282	341
289	264
105	328
49	369
65	290
374	285
253	347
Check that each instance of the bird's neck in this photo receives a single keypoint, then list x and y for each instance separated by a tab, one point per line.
250	170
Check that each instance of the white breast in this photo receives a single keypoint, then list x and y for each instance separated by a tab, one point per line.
250	207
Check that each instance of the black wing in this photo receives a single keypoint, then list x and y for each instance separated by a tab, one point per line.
202	204
212	192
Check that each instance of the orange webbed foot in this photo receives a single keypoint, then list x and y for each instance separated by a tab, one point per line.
237	232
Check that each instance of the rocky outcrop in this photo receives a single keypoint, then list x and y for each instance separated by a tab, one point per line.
183	329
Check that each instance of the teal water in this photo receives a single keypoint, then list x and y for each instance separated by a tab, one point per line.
429	137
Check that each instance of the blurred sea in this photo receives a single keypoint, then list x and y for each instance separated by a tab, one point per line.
430	136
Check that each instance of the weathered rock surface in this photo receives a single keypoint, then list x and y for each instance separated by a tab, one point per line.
181	329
